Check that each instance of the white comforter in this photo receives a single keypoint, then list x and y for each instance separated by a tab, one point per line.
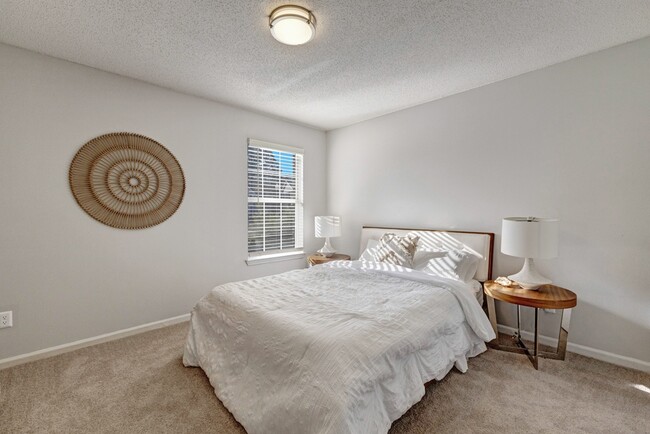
339	348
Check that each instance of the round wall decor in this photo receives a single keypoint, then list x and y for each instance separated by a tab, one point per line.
127	181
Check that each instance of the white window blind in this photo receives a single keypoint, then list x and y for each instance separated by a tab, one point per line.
275	198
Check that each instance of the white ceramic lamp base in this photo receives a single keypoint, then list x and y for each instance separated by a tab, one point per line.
327	249
529	277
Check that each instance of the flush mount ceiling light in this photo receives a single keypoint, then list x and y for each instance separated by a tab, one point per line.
292	25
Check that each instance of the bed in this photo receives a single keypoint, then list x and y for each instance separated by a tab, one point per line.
343	347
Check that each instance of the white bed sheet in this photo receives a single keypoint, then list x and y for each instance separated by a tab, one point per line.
336	348
477	290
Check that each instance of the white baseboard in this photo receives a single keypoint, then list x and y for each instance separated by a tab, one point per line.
594	353
60	349
605	356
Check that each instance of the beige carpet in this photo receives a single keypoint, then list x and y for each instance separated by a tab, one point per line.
138	385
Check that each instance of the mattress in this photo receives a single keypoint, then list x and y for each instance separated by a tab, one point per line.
343	347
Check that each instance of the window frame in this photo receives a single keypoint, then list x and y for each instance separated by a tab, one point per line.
265	256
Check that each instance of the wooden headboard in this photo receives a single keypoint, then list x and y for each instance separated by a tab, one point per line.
479	243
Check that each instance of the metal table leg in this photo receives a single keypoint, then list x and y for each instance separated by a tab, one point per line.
492	314
560	351
534	357
520	347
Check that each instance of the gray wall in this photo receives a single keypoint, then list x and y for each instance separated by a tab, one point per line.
569	141
67	277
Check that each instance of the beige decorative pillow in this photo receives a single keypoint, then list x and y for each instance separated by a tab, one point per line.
393	249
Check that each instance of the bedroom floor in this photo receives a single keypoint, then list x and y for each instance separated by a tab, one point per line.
138	384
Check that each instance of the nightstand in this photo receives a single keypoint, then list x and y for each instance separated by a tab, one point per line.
316	259
546	297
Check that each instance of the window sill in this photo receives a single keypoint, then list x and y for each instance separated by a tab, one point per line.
265	259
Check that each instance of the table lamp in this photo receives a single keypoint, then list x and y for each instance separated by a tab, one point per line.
529	238
325	227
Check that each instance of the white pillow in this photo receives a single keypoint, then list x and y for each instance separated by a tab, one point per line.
367	254
456	264
422	256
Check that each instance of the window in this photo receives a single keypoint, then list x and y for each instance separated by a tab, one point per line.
275	199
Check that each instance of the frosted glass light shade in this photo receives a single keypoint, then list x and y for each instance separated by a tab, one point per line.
327	226
530	237
292	25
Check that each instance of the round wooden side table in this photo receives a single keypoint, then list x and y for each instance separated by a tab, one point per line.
316	259
546	297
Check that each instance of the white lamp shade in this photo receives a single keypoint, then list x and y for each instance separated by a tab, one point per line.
530	237
327	226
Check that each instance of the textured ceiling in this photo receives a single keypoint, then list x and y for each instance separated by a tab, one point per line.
369	57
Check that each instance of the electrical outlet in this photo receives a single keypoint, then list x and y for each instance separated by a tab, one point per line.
6	320
550	310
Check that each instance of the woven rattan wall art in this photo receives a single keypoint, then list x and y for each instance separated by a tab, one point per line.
127	181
